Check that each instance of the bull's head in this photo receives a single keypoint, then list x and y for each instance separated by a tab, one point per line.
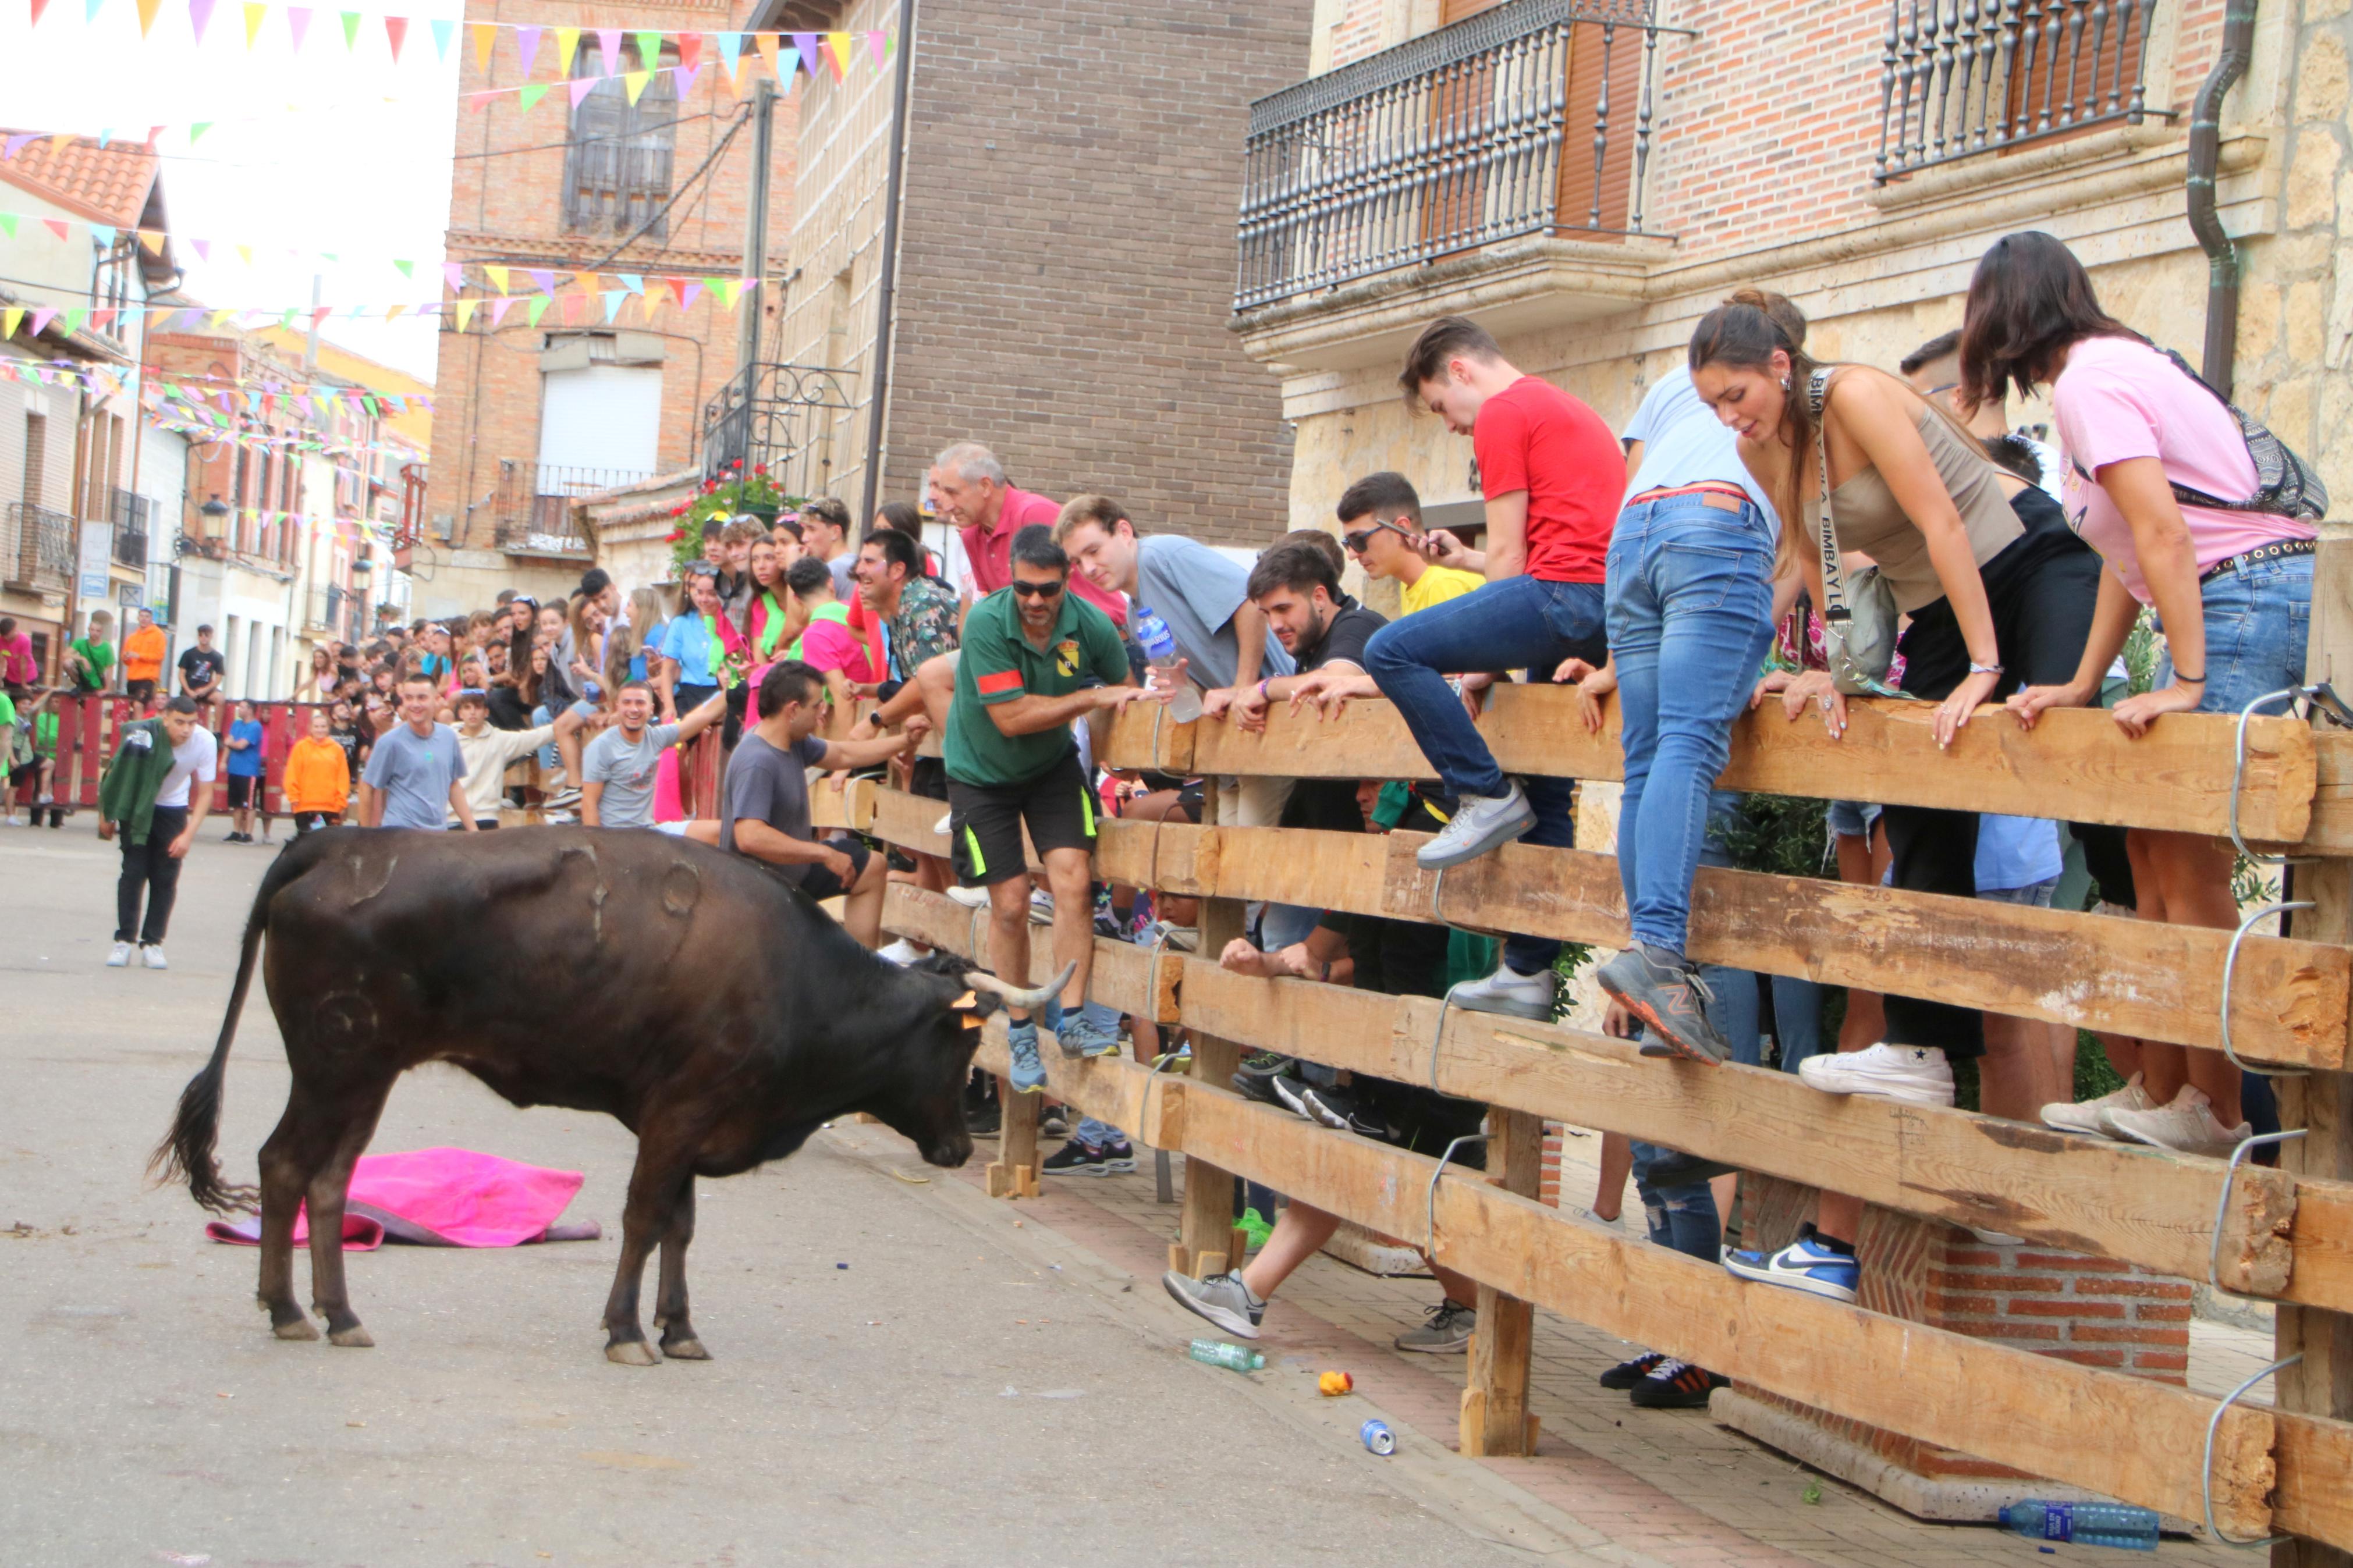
932	1114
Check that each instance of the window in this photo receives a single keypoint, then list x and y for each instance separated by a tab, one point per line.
616	170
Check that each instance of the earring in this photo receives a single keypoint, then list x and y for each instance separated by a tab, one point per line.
1784	383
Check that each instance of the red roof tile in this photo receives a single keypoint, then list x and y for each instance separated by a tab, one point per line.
106	184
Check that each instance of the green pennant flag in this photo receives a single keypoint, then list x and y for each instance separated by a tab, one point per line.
197	130
351	30
8	224
649	51
406	269
75	317
535	308
532	94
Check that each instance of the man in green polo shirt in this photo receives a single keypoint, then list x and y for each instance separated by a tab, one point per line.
1035	657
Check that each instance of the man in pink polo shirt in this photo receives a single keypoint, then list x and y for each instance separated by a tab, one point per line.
974	498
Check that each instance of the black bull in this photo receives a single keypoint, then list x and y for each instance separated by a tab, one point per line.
713	1010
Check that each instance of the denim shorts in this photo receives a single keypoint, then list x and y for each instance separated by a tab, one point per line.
2035	895
1853	818
2256	621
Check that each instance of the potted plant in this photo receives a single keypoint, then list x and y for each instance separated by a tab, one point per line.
738	493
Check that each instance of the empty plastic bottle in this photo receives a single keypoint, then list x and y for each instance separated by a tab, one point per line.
1159	647
2084	1523
1214	1353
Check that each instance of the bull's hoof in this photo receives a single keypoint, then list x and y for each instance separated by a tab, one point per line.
631	1352
353	1337
684	1349
297	1329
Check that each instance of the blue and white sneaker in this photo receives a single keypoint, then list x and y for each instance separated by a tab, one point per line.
1021	1044
1804	1265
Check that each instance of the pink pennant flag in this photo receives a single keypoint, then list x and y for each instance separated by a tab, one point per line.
42	316
527	46
876	46
542	278
318	314
455	273
683	77
200	11
56	226
297	23
203	249
609	43
396	32
498	309
693	292
16	145
580	86
481	101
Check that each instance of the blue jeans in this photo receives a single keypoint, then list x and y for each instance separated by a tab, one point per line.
1520	623
1735	1012
1683	1217
1688	599
1097	1134
2257	619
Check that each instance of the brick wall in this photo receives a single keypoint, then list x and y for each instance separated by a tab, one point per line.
1067	258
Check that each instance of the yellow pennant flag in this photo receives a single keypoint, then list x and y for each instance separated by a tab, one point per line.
498	277
9	317
634	83
215	318
766	42
253	15
245	254
61	141
567	44
394	311
147	9
465	314
485	35
153	239
839	44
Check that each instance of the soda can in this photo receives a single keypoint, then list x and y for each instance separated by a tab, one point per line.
1378	1437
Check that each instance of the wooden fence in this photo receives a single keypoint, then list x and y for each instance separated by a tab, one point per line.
2284	1235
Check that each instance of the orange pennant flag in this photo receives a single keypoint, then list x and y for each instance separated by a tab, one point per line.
147	9
153	239
485	35
766	44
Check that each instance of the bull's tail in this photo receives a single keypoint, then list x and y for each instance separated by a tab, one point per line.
186	1153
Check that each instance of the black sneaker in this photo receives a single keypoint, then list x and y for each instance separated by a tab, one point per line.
1338	1110
1668	997
1118	1159
1259	1087
1677	1386
983	1121
1630	1373
1075	1159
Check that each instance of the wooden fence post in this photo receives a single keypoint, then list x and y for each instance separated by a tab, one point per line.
2322	1104
1205	1234
1496	1420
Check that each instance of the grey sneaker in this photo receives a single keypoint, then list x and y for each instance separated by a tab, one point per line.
1447	1331
1507	991
1668	997
1481	823
1028	1075
1222	1298
1080	1036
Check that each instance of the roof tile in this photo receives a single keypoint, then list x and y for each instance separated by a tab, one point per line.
108	184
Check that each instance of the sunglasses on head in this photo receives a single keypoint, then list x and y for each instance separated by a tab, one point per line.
1357	541
1035	590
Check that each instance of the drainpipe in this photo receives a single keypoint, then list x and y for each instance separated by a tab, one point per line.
2205	157
886	285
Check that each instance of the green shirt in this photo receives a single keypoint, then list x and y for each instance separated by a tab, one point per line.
1001	665
99	656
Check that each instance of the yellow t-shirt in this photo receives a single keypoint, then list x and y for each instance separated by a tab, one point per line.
1438	585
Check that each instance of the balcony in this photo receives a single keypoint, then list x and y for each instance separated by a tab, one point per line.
530	512
1963	80
37	549
782	416
131	516
1504	155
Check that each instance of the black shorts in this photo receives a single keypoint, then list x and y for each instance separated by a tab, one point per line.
24	775
985	821
139	691
244	791
1422	1120
819	882
928	777
311	821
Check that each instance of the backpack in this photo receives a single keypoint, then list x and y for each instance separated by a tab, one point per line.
2286	485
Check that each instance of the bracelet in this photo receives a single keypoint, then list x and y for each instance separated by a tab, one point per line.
1261	689
2181	679
1977	668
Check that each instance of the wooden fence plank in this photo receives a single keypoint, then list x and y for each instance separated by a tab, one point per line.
2075	765
2158	982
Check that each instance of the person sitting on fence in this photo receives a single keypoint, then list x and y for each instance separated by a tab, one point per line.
248	775
620	766
90	658
203	669
1553	477
42	714
2000	592
487	751
318	782
2163	483
19	767
143	652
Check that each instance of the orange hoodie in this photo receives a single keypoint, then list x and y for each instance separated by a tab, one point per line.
317	776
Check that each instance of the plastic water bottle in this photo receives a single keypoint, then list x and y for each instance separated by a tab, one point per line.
1160	652
2084	1523
1214	1353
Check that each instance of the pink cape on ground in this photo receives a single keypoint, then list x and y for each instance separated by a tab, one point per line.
440	1197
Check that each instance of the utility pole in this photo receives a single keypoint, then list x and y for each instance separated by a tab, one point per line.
885	312
755	242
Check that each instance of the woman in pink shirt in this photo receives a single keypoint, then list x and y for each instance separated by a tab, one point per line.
2146	442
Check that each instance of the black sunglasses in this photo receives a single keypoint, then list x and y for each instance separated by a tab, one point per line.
1357	541
1035	590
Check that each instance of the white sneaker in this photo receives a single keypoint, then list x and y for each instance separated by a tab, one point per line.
1041	906
1918	1075
940	828
2085	1118
1481	823
2187	1126
1505	991
970	898
15	821
900	951
119	956
154	955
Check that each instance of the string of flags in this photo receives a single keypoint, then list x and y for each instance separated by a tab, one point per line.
107	380
649	293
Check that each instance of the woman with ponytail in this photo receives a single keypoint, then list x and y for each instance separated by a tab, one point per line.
2000	593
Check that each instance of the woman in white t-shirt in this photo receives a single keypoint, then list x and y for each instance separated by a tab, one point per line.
2231	587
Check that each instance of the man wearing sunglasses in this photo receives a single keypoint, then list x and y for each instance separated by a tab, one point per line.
1380	522
1035	657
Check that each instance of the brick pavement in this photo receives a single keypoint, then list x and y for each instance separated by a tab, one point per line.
1650	1487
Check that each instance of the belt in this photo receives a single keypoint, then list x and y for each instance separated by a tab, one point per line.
1705	488
2279	550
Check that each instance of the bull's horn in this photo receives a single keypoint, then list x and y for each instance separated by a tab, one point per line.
1016	997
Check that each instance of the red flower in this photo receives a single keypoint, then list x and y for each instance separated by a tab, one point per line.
675	535
737	464
759	468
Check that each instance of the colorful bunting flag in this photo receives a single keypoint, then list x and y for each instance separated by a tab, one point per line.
298	24
147	9
454	273
837	47
443	31
649	50
608	45
542	279
766	44
253	15
38	6
879	46
55	226
396	32
527	46
567	42
485	35
612	297
351	30
497	275
533	309
689	50
10	315
8	224
731	48
532	94
200	13
465	314
498	309
580	86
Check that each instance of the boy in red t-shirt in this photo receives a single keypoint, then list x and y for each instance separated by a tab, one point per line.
1552	475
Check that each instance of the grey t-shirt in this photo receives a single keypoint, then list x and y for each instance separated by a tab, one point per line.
845	585
413	774
626	772
1197	591
772	786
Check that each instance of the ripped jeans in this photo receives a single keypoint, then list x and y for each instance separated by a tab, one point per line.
1682	1217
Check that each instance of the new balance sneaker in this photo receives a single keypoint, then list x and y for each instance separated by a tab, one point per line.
1667	994
1446	1331
1627	1374
1508	992
1118	1159
970	898
152	953
1080	1036
2084	1118
1677	1386
1254	1226
2188	1126
119	956
1075	1159
1028	1074
1222	1298
1805	1264
1481	823
1918	1075
1339	1110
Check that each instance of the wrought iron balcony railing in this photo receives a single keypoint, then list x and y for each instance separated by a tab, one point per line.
37	548
531	510
784	417
1959	77
1530	119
